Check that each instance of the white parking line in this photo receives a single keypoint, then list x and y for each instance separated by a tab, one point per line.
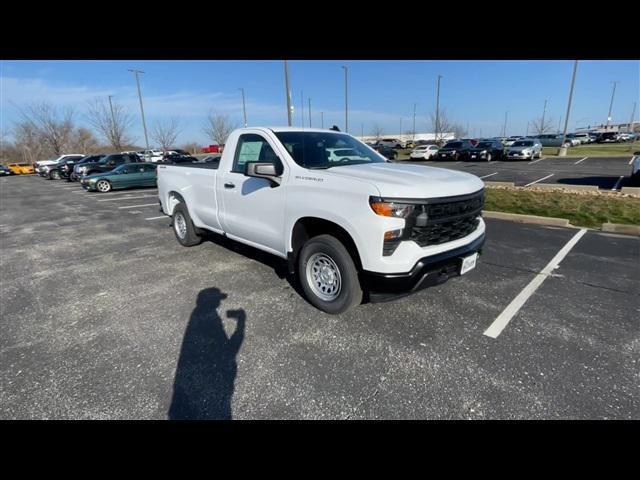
580	160
126	198
631	161
540	179
490	175
136	206
156	218
535	161
615	187
516	304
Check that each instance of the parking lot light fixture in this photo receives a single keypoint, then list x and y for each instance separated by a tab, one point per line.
288	92
611	104
437	110
346	99
562	151
244	109
144	124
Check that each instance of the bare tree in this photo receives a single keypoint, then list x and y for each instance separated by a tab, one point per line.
112	121
164	133
83	141
52	127
27	142
539	128
445	125
458	130
192	147
377	131
218	127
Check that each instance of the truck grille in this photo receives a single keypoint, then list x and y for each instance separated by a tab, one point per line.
442	220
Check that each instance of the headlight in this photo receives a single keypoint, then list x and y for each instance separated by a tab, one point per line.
45	168
390	209
526	152
92	180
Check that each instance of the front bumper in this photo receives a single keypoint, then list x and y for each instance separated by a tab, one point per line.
427	271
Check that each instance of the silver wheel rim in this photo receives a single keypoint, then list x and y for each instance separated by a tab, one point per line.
103	186
55	175
323	276
180	225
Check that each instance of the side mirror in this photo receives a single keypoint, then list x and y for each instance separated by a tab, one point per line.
262	170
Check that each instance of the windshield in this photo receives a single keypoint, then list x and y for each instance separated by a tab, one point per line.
522	143
484	145
320	150
453	145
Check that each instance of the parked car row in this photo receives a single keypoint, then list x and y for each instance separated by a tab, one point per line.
486	149
106	172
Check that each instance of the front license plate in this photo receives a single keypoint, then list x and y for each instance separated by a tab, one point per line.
473	156
468	263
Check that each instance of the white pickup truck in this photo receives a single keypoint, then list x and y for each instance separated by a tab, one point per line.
346	226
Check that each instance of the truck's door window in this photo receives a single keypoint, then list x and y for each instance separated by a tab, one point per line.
252	148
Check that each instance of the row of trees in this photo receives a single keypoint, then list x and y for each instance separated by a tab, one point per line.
44	130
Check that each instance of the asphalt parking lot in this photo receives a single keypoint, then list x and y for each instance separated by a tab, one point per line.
608	173
106	316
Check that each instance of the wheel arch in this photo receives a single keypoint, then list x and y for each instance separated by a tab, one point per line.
174	198
308	227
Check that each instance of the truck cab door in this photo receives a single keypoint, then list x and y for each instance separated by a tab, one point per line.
253	209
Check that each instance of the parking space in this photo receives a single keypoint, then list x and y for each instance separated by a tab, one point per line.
608	173
105	315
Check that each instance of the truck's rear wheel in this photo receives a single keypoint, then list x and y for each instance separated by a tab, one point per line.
328	275
183	226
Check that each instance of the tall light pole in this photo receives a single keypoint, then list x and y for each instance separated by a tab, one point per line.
144	124
413	135
633	114
113	117
562	151
244	110
286	86
611	104
346	100
302	108
321	119
559	123
544	111
527	134
309	112
504	128
438	109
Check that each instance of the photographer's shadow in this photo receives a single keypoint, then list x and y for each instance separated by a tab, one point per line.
206	372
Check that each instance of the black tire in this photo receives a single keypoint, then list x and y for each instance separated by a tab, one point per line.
54	175
350	291
189	237
456	157
489	157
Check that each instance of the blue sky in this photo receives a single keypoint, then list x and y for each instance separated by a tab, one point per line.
476	93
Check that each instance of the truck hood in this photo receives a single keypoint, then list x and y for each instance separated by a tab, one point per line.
411	181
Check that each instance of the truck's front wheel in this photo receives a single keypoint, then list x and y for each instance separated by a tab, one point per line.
183	227
328	275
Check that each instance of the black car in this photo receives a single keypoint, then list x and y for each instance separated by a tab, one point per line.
173	159
107	163
487	150
607	137
454	150
52	172
386	152
66	169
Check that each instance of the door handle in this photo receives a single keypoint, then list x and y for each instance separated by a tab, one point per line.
229	185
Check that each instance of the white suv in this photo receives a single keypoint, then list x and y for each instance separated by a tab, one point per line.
391	142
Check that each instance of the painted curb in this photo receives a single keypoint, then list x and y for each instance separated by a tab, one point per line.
577	188
533	219
621	228
499	184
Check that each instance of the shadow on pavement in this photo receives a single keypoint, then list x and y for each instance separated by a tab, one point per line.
207	367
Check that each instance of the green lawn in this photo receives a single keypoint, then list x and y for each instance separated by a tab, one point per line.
581	210
597	149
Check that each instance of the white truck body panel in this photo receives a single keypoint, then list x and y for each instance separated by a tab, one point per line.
259	214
